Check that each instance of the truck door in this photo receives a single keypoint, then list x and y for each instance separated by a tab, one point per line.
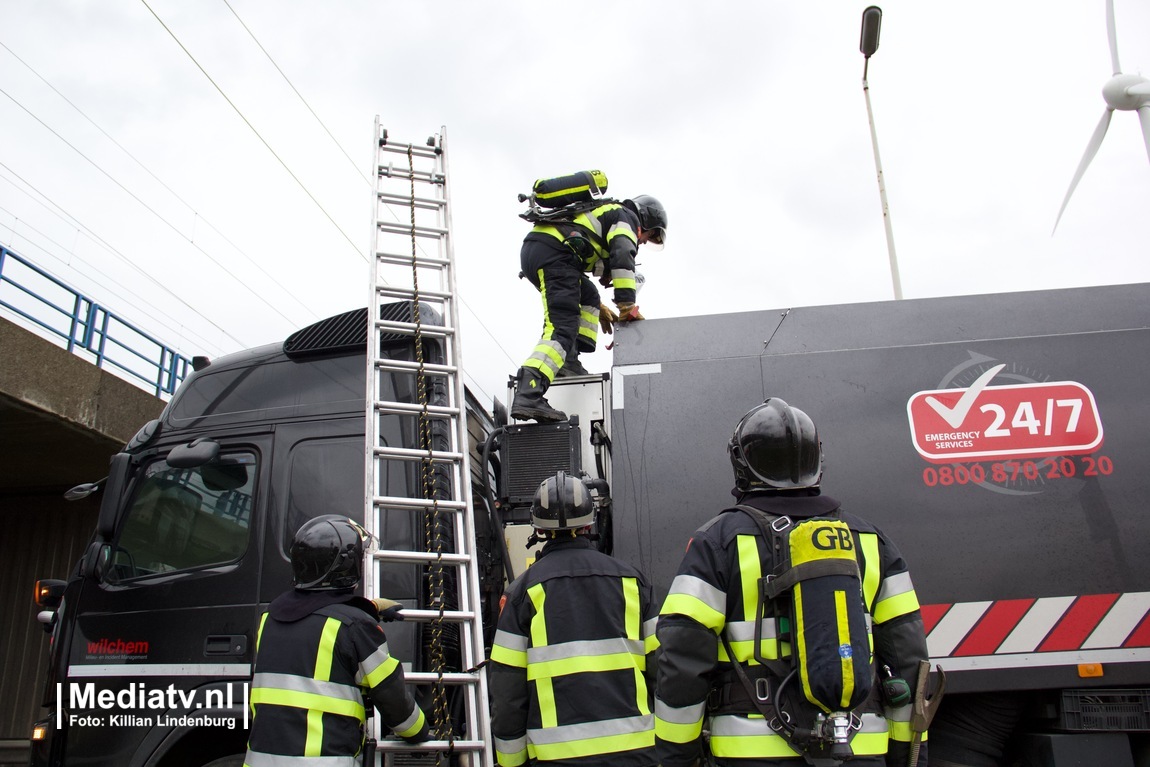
172	606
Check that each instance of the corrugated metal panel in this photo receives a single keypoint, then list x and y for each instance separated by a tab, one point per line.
44	537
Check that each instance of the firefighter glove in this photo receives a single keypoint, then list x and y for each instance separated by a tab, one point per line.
607	318
389	609
629	313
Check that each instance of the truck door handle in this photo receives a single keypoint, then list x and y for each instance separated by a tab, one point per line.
226	644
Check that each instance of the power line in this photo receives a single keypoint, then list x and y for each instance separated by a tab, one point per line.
297	93
158	179
64	216
253	129
135	197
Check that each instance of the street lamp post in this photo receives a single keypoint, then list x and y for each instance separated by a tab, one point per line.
868	44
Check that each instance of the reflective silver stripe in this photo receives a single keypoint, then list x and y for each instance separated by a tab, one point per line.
511	746
372	662
622	274
161	669
900	714
584	648
514	642
622	227
730	725
684	715
410	721
649	626
744	631
893	586
693	586
257	759
604	728
293	683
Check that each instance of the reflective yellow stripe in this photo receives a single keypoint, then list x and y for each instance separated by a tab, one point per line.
508	657
694	608
678	733
548	715
414	728
313	745
750	571
381	672
309	700
607	744
769	745
846	665
326	651
586	663
901	731
895	606
260	632
641	691
872	572
325	654
745	650
631	607
259	636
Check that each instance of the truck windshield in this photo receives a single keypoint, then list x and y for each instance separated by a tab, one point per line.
184	519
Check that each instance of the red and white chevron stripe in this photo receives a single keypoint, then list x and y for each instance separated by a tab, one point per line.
1051	631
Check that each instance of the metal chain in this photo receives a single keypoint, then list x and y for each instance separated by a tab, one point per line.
432	529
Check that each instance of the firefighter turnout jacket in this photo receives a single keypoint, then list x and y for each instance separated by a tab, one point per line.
317	653
716	593
605	240
570	662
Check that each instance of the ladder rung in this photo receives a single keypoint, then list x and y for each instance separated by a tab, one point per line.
430	677
417	150
420	556
395	227
425	203
430	745
410	366
405	259
391	170
409	328
427	616
414	408
411	454
400	502
400	292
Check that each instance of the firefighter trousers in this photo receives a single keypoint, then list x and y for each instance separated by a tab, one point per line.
570	305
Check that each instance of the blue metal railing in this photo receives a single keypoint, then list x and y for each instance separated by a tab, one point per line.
88	329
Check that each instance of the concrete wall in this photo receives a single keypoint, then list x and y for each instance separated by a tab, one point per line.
61	420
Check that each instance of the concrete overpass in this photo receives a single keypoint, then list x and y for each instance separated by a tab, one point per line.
61	419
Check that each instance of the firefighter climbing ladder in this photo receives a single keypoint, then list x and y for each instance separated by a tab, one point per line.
420	401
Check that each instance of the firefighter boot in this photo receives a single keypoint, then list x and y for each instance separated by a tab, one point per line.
529	403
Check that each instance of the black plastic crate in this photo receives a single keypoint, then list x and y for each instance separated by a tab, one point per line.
1105	710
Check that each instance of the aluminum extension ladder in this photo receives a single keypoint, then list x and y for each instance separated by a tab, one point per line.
417	457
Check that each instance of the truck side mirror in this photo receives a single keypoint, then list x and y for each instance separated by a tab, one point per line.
95	561
113	490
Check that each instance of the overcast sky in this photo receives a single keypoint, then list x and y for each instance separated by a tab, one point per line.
120	158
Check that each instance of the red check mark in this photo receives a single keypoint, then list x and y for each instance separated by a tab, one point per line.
957	414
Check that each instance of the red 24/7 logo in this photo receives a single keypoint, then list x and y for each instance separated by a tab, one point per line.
1001	422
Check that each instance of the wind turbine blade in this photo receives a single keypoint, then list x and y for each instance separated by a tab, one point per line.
1091	150
1144	118
1141	89
1112	36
